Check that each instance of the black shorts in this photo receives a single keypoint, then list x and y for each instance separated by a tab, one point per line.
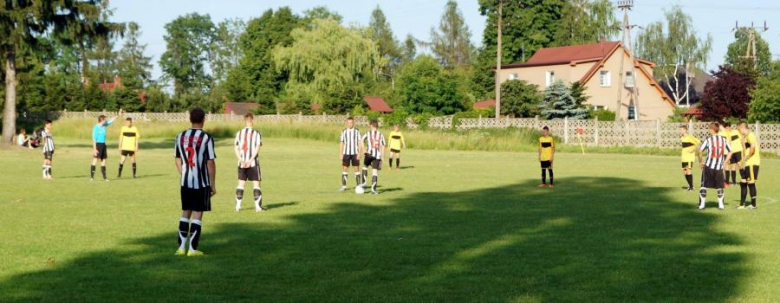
736	157
346	160
546	164
47	155
375	163
395	151
128	153
687	165
712	178
196	199
102	152
749	173
250	173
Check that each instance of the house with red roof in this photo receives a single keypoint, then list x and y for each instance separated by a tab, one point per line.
239	108
598	67
377	104
485	104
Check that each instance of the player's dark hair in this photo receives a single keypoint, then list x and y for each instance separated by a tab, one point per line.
350	119
249	116
374	123
197	115
685	127
129	119
714	126
101	118
545	128
47	122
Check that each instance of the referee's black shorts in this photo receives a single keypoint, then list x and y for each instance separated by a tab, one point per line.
712	178
102	152
196	199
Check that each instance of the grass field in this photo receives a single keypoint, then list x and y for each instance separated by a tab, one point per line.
451	226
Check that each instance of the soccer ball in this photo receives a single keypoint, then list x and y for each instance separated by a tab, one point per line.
359	190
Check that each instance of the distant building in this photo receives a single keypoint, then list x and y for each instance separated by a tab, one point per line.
485	104
240	108
597	67
377	104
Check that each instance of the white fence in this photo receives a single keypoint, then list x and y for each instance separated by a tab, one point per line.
593	132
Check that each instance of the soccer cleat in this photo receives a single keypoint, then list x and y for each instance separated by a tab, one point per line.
373	192
195	253
751	207
689	189
551	185
258	209
180	252
105	180
741	207
543	185
721	208
700	208
343	189
91	179
726	185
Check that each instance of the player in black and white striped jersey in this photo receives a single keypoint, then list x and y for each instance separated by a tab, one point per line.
350	146
47	142
194	152
247	146
718	154
375	142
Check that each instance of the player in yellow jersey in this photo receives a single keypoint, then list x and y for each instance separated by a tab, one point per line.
397	142
735	141
546	155
690	145
752	161
128	145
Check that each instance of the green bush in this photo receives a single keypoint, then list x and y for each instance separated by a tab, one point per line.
603	114
398	116
422	119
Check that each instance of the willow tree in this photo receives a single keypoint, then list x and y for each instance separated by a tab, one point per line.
328	64
24	22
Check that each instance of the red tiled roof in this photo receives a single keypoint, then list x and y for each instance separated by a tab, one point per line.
377	104
693	111
568	54
485	104
239	108
315	106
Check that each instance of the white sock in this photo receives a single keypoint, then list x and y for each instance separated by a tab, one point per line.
183	238
721	197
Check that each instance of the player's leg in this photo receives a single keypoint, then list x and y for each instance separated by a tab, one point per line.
122	158
753	170
44	168
48	165
552	177
376	166
397	160
196	227
356	164
240	188
258	195
743	188
727	173
344	172
92	168
135	168
366	162
702	197
184	229
103	168
544	173
392	154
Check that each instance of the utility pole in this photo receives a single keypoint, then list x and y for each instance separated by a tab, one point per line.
625	6
750	51
498	60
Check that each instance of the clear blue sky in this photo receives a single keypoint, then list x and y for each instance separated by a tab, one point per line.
417	17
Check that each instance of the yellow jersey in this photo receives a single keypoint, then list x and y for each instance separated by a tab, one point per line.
751	141
129	137
546	146
396	140
689	143
735	141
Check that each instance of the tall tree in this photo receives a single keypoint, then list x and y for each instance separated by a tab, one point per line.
736	54
519	98
587	21
327	64
320	12
675	46
728	96
133	66
409	49
380	32
765	104
451	42
186	58
23	22
425	87
226	50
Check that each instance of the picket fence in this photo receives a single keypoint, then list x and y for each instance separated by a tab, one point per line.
589	132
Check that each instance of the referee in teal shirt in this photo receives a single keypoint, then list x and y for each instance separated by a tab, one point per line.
99	151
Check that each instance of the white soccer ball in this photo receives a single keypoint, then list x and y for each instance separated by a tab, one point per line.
359	190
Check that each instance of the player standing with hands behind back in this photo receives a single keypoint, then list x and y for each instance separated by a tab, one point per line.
350	147
546	155
396	143
376	148
194	152
247	146
128	145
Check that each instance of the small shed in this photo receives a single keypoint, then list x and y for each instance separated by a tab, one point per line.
485	104
377	104
240	108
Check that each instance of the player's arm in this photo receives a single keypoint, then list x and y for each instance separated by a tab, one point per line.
94	142
403	142
212	167
114	118
178	164
121	138
552	150
137	139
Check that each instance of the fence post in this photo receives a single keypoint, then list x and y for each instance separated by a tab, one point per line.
690	125
480	122
657	132
536	122
566	130
596	131
758	131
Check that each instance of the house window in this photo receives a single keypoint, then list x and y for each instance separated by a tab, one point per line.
550	78
605	78
513	76
631	113
629	79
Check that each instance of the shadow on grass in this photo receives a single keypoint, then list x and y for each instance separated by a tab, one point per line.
596	240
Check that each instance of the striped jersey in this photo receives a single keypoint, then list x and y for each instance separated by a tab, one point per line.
248	142
375	141
351	139
47	141
195	147
717	148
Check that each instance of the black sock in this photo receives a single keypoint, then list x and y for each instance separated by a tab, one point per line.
184	228
258	196
134	169
103	171
689	178
344	179
398	162
733	176
357	179
195	229
752	187
544	176
239	193
365	176
391	162
92	172
728	175
120	170
551	176
374	181
49	171
743	193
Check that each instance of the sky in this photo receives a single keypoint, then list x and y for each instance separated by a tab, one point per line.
416	17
